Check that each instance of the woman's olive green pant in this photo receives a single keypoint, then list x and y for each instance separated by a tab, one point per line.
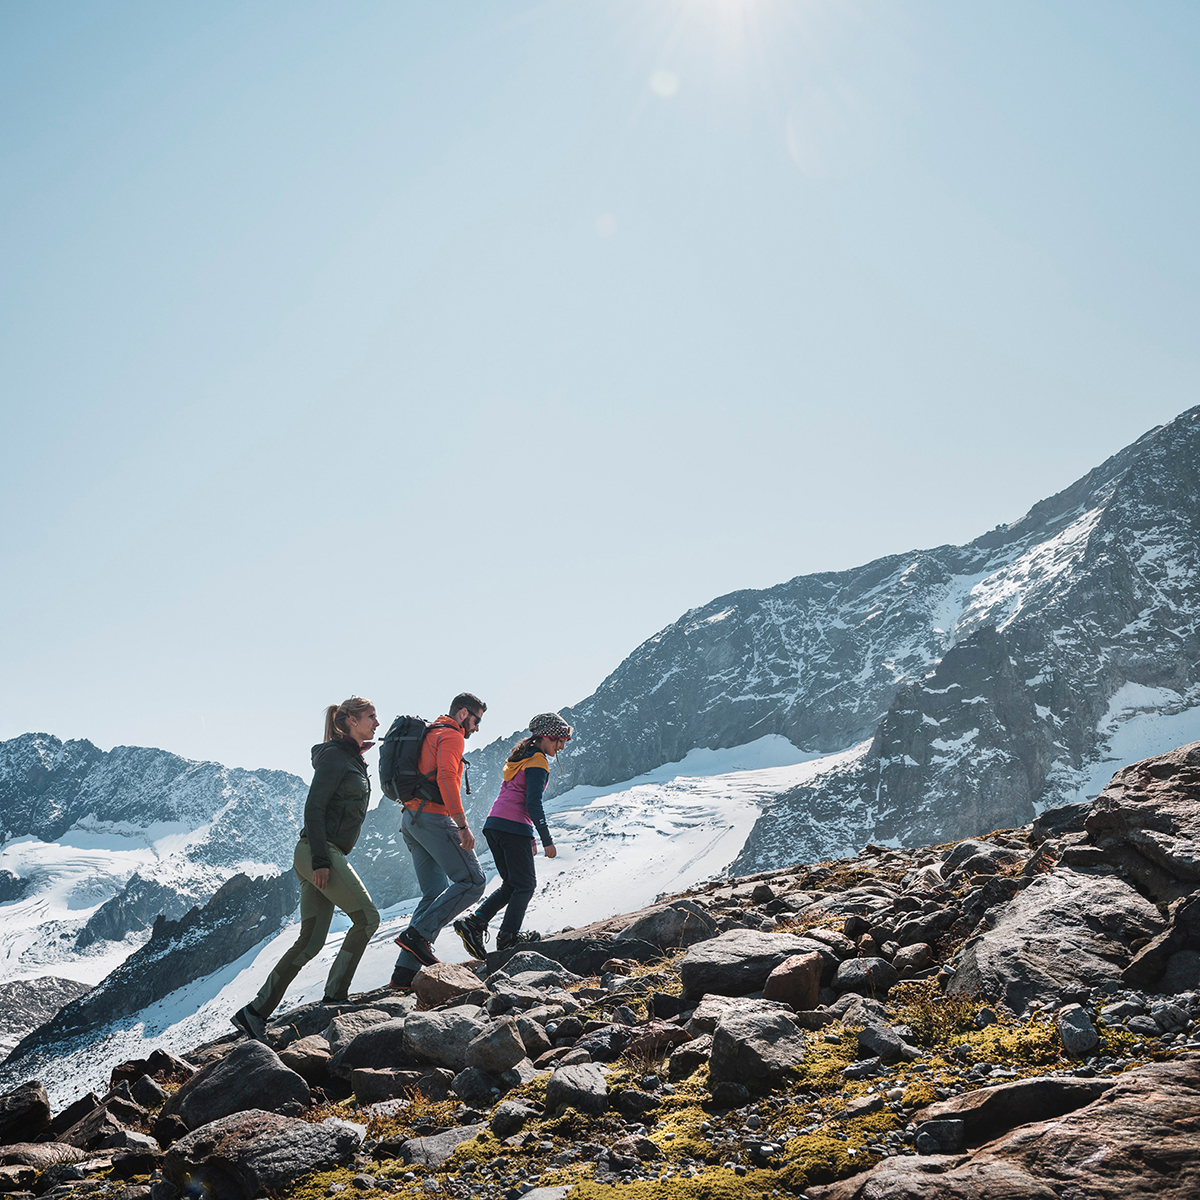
347	892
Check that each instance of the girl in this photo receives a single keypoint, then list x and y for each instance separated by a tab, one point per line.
333	816
509	832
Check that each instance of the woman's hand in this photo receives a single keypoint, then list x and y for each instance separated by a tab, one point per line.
551	852
321	877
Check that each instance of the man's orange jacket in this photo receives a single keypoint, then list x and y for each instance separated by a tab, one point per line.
442	752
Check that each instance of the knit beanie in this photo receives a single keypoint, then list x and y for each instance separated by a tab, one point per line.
550	725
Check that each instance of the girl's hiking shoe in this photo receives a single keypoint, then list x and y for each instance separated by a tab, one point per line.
473	935
250	1023
506	941
410	940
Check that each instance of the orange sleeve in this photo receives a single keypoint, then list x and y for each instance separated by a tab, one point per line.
450	745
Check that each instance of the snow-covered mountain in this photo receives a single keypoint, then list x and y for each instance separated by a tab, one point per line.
97	845
979	683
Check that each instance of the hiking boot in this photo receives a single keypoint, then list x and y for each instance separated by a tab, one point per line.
410	940
506	941
250	1023
402	979
472	932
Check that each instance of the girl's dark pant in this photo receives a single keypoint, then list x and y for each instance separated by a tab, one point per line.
513	853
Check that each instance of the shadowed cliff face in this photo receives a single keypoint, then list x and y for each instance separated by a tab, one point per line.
976	674
242	913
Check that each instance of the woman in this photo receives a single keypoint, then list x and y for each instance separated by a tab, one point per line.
509	832
333	816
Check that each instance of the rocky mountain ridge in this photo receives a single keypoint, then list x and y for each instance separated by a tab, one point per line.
977	682
104	843
1014	1014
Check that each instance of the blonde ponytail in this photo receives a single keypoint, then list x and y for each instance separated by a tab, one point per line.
336	714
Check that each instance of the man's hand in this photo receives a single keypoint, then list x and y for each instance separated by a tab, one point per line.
466	838
551	852
321	878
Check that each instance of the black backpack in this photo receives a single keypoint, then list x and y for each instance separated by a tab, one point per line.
398	756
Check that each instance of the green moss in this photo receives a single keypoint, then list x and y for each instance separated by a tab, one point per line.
314	1187
1024	1043
824	1062
818	1158
933	1017
919	1093
715	1184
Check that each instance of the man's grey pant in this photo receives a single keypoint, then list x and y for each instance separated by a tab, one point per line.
439	860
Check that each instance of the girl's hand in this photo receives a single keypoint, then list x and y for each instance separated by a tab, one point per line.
551	852
321	878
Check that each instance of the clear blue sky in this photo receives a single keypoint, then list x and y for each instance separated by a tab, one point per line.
397	348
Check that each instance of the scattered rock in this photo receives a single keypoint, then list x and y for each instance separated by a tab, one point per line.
867	976
939	1137
444	981
435	1150
497	1048
309	1057
680	923
796	981
1076	1031
254	1152
383	1044
740	961
582	1087
442	1037
755	1045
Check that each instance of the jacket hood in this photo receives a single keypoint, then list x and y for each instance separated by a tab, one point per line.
340	743
535	759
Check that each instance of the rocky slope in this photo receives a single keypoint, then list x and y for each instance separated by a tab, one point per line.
982	682
1017	1014
27	1003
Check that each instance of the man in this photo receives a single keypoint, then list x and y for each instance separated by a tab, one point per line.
442	847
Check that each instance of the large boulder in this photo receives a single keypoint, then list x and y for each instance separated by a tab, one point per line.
712	1009
24	1113
250	1076
1140	1138
754	1045
740	961
442	1038
1149	812
253	1153
1065	930
680	923
988	1112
